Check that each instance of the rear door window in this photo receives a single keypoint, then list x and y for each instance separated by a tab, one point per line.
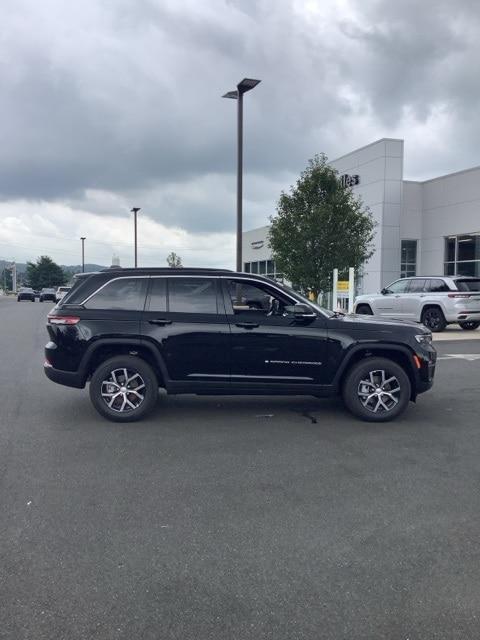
192	295
416	286
126	294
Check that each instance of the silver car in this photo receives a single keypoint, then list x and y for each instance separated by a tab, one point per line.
433	300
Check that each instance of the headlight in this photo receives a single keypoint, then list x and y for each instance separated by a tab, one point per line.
424	338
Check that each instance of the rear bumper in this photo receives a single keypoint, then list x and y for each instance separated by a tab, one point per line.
66	378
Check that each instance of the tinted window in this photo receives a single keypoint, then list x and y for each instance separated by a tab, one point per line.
192	295
436	285
124	293
249	297
416	286
158	294
400	286
468	285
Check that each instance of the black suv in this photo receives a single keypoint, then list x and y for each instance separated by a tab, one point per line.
210	331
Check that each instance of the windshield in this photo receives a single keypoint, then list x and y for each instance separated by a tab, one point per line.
305	300
468	285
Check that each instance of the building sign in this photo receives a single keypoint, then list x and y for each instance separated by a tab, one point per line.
342	285
258	244
349	181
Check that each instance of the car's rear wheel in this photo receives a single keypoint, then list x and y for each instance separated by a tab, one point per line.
124	389
471	325
376	390
364	310
433	319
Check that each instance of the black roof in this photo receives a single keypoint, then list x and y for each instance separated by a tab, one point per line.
155	270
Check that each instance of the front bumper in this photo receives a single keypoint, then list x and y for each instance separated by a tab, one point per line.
425	374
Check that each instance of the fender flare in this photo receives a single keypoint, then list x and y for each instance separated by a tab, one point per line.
372	347
126	342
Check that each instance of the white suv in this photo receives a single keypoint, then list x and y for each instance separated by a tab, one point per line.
433	300
61	292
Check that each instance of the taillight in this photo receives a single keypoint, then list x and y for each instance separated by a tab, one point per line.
63	319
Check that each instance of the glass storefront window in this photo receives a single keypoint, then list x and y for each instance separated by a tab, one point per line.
462	255
408	260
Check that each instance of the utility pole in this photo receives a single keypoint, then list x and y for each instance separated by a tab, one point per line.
242	87
135	210
83	254
14	277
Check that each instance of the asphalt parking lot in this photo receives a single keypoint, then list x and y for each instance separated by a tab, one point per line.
235	518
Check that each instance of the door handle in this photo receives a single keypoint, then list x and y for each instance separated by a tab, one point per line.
160	321
247	325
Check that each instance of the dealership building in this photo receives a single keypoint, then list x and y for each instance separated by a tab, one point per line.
423	228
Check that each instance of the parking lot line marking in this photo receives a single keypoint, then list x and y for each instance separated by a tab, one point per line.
461	356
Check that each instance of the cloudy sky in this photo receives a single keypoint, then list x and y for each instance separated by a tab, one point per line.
105	105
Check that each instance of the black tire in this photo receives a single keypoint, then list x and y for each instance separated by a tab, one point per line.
471	325
360	393
433	319
364	310
103	379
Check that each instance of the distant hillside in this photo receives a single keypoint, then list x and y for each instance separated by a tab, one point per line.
75	268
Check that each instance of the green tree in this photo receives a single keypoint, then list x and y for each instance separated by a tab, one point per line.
45	273
174	261
320	226
6	279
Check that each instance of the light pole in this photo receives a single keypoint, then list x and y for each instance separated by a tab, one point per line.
135	210
83	253
242	87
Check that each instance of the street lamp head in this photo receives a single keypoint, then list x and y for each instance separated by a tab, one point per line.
246	84
135	209
83	238
231	94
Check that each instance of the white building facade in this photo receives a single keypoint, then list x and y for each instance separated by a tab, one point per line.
423	228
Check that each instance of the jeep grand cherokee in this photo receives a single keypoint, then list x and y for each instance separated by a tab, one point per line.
204	331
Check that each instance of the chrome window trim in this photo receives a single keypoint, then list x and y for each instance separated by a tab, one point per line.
233	276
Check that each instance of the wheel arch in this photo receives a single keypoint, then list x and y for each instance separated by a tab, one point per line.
399	354
107	348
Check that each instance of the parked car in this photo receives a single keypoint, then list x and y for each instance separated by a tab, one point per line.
435	301
25	293
61	292
47	293
130	331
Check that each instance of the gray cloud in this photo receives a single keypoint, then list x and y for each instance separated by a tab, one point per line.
125	97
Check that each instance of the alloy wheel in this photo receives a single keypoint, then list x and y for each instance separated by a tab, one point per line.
378	393
123	390
432	319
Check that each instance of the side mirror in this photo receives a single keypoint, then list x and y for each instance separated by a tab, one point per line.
300	310
384	292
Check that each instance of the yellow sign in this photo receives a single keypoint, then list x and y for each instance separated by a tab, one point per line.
342	285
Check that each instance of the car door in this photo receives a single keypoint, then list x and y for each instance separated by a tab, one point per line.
391	305
185	320
268	345
412	300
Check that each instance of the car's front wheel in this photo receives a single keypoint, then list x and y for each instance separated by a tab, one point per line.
364	310
376	390
124	389
471	325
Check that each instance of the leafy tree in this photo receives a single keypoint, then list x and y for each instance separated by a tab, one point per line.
45	273
320	226
174	261
6	279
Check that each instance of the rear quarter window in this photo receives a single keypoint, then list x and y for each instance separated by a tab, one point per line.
126	294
